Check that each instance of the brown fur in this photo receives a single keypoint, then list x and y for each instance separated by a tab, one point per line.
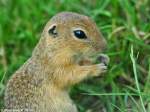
42	83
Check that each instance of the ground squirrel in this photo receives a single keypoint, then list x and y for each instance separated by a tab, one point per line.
42	83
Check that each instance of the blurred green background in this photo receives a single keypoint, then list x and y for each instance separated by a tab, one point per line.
124	23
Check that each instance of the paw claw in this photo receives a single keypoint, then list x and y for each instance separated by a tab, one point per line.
102	67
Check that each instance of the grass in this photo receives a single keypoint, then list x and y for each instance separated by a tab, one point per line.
124	23
136	78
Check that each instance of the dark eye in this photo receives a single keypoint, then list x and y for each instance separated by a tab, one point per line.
80	34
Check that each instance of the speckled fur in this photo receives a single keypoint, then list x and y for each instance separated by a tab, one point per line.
42	83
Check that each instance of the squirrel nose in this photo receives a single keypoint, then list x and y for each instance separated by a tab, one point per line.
101	46
100	49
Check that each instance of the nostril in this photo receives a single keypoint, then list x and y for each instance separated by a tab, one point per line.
97	48
104	48
104	45
100	47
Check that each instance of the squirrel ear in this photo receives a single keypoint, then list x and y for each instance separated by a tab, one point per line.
52	30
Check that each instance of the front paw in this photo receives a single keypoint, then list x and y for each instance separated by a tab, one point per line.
102	67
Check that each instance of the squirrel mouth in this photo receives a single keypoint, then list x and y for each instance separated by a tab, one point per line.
102	58
85	62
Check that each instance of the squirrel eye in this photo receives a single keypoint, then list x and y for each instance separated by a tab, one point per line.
80	34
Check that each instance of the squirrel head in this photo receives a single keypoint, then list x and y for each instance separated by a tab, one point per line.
68	36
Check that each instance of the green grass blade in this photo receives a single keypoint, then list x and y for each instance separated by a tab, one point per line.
136	78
